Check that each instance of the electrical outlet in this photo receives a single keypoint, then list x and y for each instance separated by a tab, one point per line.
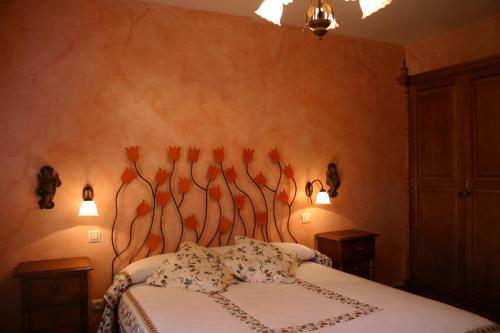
97	304
94	236
306	217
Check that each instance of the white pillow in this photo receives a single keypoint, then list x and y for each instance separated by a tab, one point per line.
141	269
302	252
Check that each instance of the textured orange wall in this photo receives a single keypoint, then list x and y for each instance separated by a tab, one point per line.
79	81
466	43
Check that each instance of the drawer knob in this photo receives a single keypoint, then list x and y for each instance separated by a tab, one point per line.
359	248
55	287
56	316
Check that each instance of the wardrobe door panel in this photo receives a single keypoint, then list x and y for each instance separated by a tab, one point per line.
485	112
437	241
484	268
437	123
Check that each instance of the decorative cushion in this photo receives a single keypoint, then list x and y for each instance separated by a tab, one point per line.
194	268
252	260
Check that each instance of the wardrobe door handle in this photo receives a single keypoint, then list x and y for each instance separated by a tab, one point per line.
460	194
465	193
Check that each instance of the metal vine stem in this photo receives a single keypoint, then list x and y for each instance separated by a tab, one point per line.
220	219
242	222
274	201
290	210
177	206
153	194
163	241
266	238
253	210
234	204
115	219
126	247
150	226
205	189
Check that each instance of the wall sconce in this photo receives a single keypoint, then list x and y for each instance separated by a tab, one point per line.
322	198
332	180
88	206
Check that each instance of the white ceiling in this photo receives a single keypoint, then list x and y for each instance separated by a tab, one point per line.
402	22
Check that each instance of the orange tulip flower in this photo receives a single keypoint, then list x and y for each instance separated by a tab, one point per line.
288	171
215	192
225	225
191	222
184	185
153	242
128	176
218	154
247	155
133	153
239	201
174	153
231	174
212	172
162	198
193	154
161	176
283	197
261	218
275	155
143	208
261	179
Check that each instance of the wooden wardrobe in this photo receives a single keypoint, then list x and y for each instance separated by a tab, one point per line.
455	180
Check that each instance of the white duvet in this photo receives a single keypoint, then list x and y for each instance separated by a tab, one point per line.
323	299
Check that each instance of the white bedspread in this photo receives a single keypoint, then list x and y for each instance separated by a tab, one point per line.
323	299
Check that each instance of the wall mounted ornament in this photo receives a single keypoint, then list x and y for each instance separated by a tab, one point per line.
332	180
48	182
260	208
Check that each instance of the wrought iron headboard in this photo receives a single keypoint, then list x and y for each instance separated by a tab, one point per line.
261	221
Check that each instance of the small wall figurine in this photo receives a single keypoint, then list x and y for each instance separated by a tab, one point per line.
332	180
48	181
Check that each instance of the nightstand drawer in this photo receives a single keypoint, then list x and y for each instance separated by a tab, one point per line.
358	249
361	268
65	317
55	289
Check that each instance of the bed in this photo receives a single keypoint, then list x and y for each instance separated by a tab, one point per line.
317	298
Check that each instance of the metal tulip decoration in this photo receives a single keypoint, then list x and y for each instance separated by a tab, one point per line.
250	201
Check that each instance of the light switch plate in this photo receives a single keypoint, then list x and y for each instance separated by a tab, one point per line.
306	217
94	236
97	304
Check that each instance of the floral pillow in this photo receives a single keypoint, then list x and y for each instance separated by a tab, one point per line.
252	260
194	268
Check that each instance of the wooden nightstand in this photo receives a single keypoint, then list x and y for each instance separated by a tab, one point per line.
55	295
352	251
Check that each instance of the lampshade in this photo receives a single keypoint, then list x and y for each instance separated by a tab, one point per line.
88	208
272	10
369	7
322	198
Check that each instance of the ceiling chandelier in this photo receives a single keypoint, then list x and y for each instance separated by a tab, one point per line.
319	15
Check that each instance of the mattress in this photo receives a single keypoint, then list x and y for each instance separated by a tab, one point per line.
321	299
